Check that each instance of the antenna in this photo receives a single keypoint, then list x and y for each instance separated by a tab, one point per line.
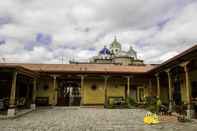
62	59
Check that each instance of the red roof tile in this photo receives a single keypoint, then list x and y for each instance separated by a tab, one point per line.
87	68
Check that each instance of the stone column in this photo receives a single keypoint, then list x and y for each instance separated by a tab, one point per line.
169	88
158	85
187	84
82	91
33	105
11	110
105	88
138	94
54	90
128	88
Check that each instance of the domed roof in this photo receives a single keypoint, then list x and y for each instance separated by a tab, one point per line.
115	44
104	51
132	52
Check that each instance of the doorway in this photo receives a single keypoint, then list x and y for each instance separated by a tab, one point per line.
69	93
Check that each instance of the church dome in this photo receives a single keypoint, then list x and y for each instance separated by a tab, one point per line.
104	51
132	52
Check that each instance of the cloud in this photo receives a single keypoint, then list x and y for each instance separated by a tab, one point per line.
157	30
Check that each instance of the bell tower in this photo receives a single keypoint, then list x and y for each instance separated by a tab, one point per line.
115	47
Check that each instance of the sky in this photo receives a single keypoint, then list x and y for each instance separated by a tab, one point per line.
56	31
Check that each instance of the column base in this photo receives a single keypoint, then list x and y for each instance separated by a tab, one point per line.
170	107
11	112
33	106
190	114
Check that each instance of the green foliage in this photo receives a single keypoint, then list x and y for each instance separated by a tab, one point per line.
151	104
110	106
149	100
151	108
131	102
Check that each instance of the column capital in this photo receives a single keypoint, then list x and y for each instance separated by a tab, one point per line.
157	75
184	64
167	70
106	77
128	76
54	76
82	76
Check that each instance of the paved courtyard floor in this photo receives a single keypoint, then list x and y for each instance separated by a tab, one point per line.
89	119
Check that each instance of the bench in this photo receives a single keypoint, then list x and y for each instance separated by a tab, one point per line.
116	100
42	101
4	103
21	102
1	104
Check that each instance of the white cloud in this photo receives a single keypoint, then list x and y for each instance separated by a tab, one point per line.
76	26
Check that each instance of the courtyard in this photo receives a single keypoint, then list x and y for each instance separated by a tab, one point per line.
89	119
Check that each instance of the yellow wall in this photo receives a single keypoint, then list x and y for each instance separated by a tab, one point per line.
164	89
146	92
50	92
115	87
164	94
183	88
93	96
193	77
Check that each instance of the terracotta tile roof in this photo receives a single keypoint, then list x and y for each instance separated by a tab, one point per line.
19	68
87	68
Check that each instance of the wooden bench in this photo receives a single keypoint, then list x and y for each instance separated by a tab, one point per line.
1	104
116	100
21	102
4	103
42	101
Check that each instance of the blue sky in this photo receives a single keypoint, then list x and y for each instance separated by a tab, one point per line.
42	31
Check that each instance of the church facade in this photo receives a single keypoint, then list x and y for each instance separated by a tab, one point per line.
112	74
115	55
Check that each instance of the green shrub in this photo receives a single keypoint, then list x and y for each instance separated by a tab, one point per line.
151	108
150	100
131	102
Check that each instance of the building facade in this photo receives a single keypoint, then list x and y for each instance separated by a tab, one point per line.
31	85
115	55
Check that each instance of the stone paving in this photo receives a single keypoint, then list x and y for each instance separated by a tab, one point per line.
89	119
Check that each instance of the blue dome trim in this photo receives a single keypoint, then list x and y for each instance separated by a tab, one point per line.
105	51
